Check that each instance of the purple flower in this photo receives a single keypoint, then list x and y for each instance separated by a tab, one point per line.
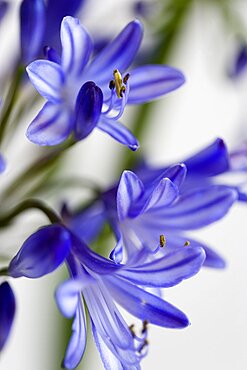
240	61
102	282
83	94
7	312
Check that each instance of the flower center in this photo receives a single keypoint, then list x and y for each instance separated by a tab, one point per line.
119	83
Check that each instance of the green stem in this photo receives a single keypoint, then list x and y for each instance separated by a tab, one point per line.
10	100
28	204
36	168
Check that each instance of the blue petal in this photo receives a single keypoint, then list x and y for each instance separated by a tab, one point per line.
168	270
213	259
41	253
47	78
118	132
87	223
52	55
163	195
32	18
130	190
195	209
210	161
51	126
77	343
7	312
145	305
88	109
55	11
176	173
119	54
151	81
76	46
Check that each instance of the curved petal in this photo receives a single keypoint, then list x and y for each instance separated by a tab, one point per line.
168	270
145	305
48	78
210	161
77	342
119	54
213	259
151	81
120	133
195	209
7	312
109	360
130	190
163	195
41	253
51	126
32	19
88	109
76	46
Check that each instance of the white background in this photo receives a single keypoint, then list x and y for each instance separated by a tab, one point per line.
208	106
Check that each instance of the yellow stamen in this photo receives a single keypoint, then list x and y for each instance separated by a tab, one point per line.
187	243
118	82
162	241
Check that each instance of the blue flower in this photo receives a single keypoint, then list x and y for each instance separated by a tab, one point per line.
102	282
7	312
83	94
140	211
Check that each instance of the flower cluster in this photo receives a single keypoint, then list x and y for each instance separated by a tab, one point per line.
149	211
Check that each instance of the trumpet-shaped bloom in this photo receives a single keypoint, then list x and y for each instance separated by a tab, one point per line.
102	282
84	93
7	312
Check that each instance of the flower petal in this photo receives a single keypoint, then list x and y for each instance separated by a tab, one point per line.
119	54
32	19
88	109
41	253
210	161
213	259
195	209
3	164
163	195
130	190
51	126
7	312
120	133
151	81
77	342
145	305
48	78
76	46
168	270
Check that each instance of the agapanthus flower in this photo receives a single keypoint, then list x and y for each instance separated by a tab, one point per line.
102	282
84	93
160	202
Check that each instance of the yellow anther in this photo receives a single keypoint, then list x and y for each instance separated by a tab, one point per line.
162	241
187	243
118	82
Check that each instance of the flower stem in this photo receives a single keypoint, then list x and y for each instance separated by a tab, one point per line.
28	204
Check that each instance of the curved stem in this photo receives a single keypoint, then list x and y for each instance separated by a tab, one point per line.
28	204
